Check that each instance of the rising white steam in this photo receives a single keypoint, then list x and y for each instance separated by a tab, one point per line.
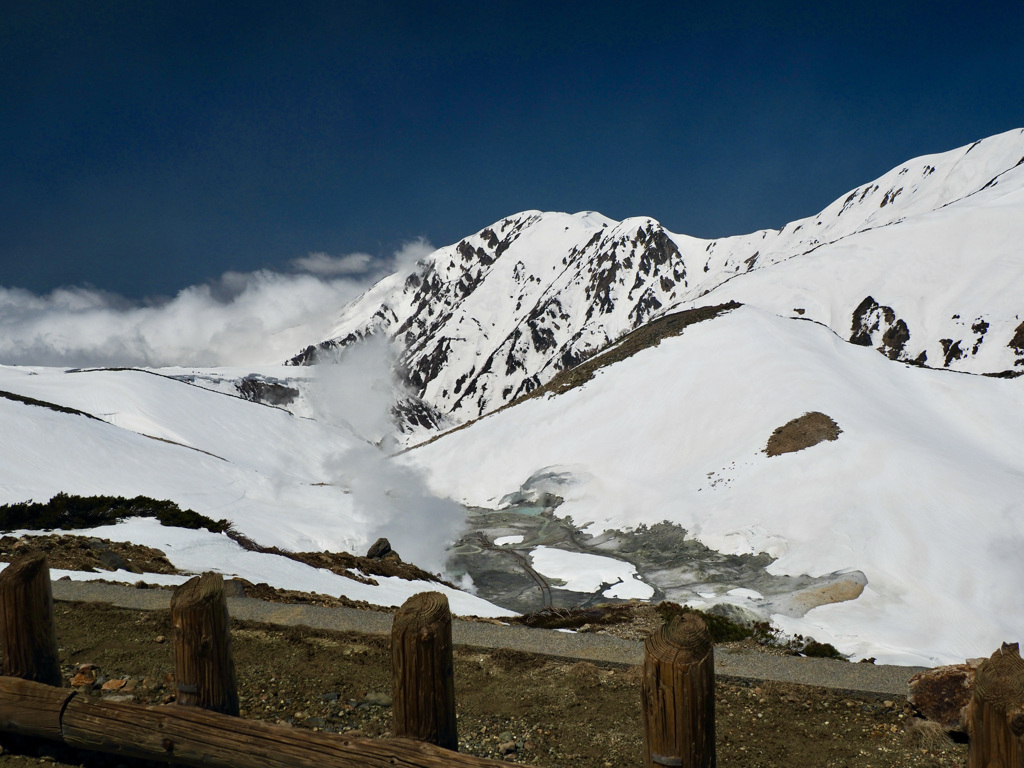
258	318
356	390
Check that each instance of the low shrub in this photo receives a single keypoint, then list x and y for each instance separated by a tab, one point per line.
69	512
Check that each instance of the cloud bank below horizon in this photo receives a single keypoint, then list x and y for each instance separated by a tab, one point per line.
252	318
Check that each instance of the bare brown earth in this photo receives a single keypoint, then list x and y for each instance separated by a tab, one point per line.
803	432
83	553
519	707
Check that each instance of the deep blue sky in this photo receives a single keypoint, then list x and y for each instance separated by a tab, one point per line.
146	146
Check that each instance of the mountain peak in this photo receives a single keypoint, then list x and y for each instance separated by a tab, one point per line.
492	317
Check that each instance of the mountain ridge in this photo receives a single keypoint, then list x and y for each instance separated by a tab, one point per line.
477	324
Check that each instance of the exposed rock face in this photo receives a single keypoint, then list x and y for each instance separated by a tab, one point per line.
1017	343
939	694
260	390
877	326
491	318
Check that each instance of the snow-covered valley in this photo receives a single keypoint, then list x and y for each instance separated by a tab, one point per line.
572	416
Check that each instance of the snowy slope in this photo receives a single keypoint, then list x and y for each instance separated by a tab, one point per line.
281	480
922	491
492	317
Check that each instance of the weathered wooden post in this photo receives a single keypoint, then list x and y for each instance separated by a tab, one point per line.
28	635
422	671
204	665
678	694
995	714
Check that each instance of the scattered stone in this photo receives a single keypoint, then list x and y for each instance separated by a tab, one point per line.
314	722
113	685
86	676
507	747
377	699
379	548
160	639
939	694
234	588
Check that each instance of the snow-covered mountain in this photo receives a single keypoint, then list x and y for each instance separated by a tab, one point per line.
576	381
922	263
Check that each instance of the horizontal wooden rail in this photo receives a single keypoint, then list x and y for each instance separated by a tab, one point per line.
193	736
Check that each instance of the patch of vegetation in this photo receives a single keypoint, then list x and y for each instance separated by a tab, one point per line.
73	512
722	628
644	337
821	650
43	404
803	432
726	630
574	618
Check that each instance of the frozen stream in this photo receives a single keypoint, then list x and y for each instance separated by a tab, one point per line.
526	558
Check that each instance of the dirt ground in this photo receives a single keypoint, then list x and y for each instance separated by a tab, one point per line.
513	706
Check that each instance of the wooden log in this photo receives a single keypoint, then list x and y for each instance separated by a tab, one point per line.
28	634
204	665
32	709
422	671
995	714
677	689
197	737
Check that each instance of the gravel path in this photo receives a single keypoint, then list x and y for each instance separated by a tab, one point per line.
869	678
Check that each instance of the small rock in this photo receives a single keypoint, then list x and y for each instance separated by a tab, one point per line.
113	685
507	747
888	704
314	722
353	734
112	560
330	696
377	699
939	694
160	639
83	678
379	548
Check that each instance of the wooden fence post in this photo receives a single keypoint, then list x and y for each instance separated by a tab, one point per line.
678	693
422	671
204	666
28	635
995	714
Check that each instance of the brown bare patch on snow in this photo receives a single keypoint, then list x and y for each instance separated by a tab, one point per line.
810	429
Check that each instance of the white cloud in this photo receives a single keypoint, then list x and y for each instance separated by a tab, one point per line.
250	318
410	253
332	266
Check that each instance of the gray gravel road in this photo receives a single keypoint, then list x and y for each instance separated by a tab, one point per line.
866	678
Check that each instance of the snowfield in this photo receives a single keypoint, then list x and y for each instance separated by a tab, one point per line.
922	491
881	312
